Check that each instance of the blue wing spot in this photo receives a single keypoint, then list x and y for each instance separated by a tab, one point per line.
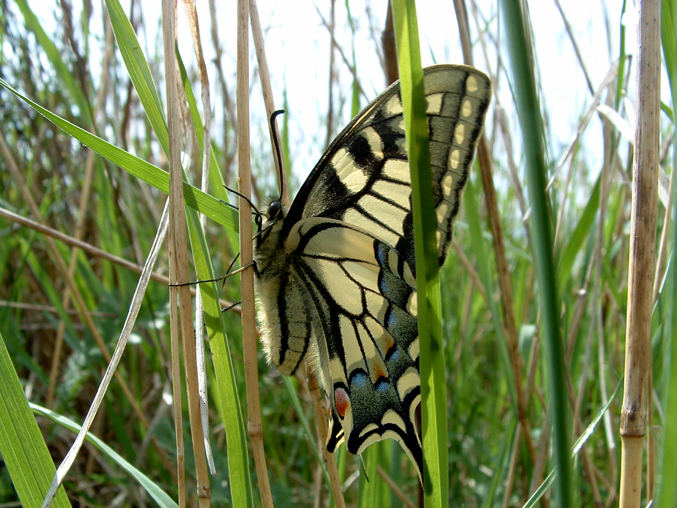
383	284
358	380
381	253
394	356
391	319
382	386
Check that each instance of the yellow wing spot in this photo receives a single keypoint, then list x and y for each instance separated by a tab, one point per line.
390	417
407	382
414	349
459	134
394	106
376	306
412	304
339	159
342	289
353	354
375	142
390	215
354	217
471	84
454	158
466	108
447	184
398	192
442	211
337	371
355	181
434	103
363	273
397	169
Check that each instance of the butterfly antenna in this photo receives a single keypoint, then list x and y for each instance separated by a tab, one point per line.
278	152
255	211
230	267
232	305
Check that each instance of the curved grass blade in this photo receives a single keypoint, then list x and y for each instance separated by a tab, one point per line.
153	490
149	173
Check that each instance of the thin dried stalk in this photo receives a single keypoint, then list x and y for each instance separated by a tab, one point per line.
93	251
642	255
254	427
178	258
395	488
191	13
389	48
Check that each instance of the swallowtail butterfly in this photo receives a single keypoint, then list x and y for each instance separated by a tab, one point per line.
336	274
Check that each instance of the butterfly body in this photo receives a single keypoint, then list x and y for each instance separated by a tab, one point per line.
336	272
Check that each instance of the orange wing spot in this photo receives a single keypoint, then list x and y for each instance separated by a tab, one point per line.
342	401
378	372
387	341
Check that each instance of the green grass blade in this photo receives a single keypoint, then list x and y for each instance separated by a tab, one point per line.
158	178
22	447
153	490
528	108
668	471
432	361
579	236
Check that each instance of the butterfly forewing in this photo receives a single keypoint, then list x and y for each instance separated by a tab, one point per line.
336	274
364	177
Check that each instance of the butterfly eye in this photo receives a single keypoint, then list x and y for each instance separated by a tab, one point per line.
274	209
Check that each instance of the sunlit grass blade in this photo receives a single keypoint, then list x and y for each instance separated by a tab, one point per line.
529	112
139	71
432	364
579	236
22	446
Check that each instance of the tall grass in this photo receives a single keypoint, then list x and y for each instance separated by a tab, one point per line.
83	155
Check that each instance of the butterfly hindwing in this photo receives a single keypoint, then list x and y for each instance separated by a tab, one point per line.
336	274
368	337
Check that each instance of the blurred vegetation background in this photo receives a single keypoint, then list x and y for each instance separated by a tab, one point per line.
67	58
